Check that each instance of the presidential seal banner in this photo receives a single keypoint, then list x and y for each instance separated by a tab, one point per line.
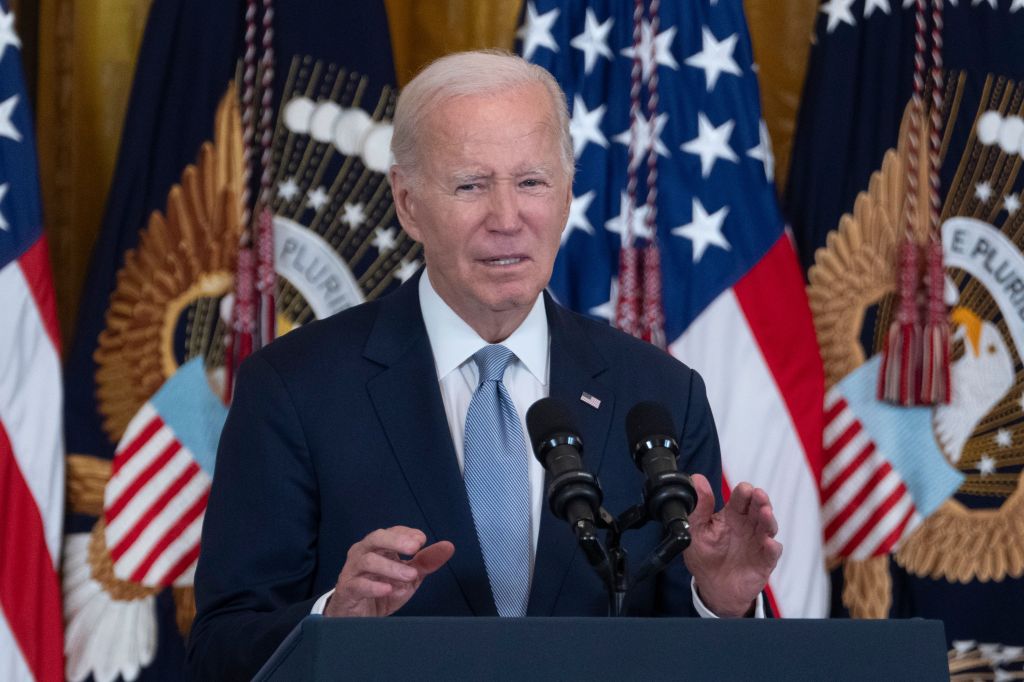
146	375
923	505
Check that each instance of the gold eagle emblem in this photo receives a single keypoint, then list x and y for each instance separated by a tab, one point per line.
981	433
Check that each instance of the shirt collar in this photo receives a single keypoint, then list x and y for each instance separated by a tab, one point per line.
453	342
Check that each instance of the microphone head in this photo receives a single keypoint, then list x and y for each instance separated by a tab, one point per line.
548	419
648	420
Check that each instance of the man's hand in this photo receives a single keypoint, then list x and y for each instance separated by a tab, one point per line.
733	551
376	581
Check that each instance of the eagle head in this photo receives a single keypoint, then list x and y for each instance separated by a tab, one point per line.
979	379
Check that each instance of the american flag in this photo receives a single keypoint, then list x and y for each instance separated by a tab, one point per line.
883	471
867	507
155	501
31	446
734	306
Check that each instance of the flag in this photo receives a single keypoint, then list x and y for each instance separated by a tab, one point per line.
733	303
881	476
959	556
145	375
155	500
31	445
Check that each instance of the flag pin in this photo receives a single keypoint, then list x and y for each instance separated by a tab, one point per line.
590	400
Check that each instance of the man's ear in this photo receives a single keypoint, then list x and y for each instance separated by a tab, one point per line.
568	203
402	194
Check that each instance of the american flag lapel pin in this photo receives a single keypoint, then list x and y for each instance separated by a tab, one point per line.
590	400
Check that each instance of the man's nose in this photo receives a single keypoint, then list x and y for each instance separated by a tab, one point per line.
504	208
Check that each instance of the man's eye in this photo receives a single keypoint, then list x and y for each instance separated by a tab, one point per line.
468	187
532	182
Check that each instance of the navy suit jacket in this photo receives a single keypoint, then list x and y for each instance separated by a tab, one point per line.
338	429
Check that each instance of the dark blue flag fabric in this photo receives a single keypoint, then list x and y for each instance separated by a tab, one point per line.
948	477
145	376
732	296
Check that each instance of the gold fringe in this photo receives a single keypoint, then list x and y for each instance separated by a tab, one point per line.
86	478
184	609
186	254
959	544
867	587
102	567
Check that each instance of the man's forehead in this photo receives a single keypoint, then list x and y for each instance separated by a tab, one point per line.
474	171
464	128
476	131
526	103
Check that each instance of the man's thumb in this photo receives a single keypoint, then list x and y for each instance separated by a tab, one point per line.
431	558
705	500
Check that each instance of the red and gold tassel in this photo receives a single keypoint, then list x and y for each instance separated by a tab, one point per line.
935	382
901	358
935	385
627	306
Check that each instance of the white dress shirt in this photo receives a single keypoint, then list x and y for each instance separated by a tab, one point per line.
453	343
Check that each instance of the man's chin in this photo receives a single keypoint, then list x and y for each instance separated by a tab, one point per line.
514	298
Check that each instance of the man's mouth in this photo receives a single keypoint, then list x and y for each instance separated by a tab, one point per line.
505	260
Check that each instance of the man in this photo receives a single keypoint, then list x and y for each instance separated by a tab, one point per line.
352	477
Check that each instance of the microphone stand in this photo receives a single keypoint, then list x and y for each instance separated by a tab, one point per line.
610	559
608	563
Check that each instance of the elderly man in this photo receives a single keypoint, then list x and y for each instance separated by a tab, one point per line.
374	463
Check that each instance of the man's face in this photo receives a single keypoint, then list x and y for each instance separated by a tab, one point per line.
490	202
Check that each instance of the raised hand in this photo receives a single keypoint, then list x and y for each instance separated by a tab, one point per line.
734	550
376	581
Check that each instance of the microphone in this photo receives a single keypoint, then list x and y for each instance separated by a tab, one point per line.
669	493
574	495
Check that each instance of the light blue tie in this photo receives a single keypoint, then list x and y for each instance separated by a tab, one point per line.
496	475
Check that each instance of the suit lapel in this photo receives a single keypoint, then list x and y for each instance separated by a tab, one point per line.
575	368
408	402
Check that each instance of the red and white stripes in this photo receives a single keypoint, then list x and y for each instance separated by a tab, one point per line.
31	471
756	349
154	504
865	505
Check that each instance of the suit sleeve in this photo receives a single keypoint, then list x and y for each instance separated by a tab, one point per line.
258	552
700	453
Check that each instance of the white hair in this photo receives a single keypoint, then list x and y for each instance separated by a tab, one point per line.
462	74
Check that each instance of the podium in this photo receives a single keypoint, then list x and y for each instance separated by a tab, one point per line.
609	649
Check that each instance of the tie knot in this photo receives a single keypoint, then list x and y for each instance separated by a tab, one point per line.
492	361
